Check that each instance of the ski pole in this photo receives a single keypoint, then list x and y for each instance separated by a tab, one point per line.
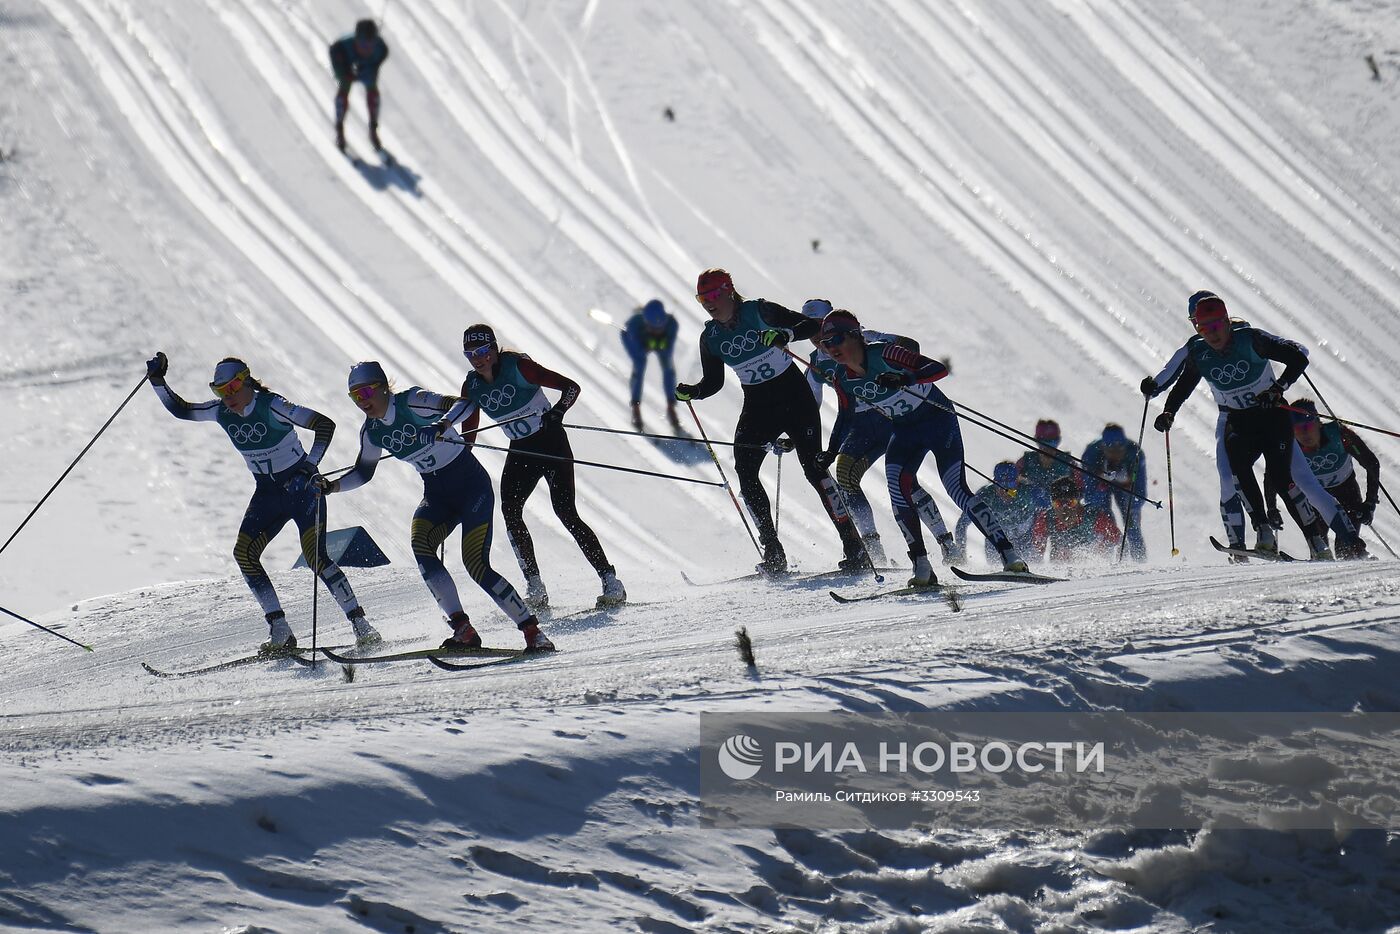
1132	481
778	496
583	463
718	466
316	566
659	437
1067	459
1383	542
45	628
1171	503
65	473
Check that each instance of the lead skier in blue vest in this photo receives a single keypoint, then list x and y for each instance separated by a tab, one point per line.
261	424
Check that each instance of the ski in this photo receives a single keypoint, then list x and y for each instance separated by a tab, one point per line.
451	666
1014	577
1250	552
296	656
423	653
606	610
839	574
793	576
756	576
932	589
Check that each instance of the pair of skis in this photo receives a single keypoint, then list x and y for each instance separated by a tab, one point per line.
1014	577
304	656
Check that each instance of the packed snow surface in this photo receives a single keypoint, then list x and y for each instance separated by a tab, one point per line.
1031	189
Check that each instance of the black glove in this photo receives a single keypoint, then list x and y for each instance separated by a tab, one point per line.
1367	513
685	392
1271	397
552	417
1164	421
325	484
826	458
780	446
894	379
1273	518
1148	386
436	430
773	337
156	367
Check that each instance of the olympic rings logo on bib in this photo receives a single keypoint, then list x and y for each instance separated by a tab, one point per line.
401	439
1230	373
869	391
498	398
1324	462
743	343
247	434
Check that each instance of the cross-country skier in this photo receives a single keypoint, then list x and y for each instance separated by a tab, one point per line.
1121	461
652	330
1332	451
261	424
859	438
1014	507
750	337
1236	360
357	57
900	383
1232	504
416	425
1039	468
1074	530
505	384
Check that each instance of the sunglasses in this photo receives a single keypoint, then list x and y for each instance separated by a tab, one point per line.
230	388
1218	324
835	340
364	393
710	295
477	353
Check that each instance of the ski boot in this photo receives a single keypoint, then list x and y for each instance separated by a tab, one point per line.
1011	562
636	416
875	549
365	634
953	553
1353	549
464	636
374	137
614	594
856	557
535	641
281	641
923	572
774	560
536	597
1265	542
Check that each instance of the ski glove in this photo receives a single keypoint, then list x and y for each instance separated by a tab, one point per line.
552	417
1274	519
1148	386
894	379
826	458
436	430
1367	513
325	484
780	446
156	367
1271	397
774	337
684	392
1164	421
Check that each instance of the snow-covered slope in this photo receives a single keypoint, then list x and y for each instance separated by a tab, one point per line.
1031	189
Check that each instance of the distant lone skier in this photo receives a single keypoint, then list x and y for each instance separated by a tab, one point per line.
357	57
652	330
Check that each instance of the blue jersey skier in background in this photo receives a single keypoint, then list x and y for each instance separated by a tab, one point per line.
1115	457
652	330
357	57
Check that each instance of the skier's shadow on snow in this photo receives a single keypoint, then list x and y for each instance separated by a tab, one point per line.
682	452
388	172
